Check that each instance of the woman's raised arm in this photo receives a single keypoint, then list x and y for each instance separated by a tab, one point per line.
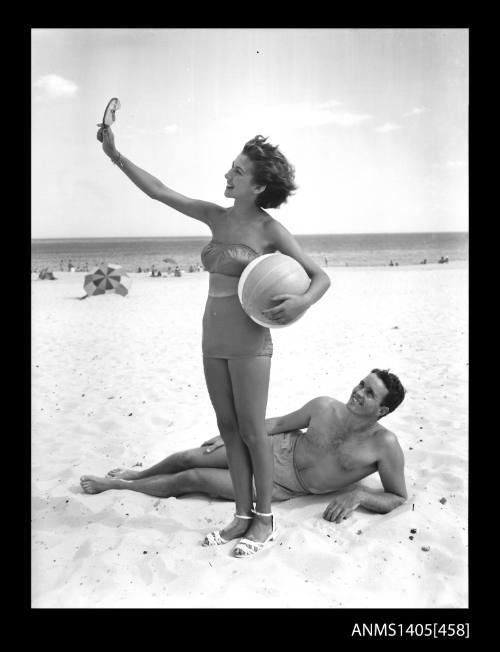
153	187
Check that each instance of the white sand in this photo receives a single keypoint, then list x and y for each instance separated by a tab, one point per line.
119	381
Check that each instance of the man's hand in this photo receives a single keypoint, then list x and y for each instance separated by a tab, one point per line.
213	444
342	506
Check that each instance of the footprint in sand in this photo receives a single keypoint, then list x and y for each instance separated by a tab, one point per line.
85	550
160	421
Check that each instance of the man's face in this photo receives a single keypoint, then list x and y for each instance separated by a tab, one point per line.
367	396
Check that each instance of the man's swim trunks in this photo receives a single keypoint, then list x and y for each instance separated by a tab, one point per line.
286	480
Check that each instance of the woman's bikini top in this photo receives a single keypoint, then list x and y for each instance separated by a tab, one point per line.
227	259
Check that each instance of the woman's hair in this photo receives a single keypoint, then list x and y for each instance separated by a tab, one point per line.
271	169
396	391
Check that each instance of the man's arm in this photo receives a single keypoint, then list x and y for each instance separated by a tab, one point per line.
391	466
277	425
295	420
391	470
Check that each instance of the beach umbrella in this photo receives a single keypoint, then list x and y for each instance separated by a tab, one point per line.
107	277
46	274
170	260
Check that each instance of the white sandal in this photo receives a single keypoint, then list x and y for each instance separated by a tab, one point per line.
247	547
216	539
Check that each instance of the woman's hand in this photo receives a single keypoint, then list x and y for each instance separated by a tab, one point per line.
213	444
291	307
106	137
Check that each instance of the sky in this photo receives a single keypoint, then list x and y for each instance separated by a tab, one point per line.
375	122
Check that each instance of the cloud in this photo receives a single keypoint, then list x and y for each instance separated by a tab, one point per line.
348	119
54	86
171	129
415	111
303	114
450	164
316	115
388	126
329	104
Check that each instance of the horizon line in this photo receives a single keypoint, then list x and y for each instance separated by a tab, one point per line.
148	237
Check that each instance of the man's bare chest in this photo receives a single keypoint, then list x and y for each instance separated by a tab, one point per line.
337	449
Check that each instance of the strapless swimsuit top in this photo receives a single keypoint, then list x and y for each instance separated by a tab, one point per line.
228	259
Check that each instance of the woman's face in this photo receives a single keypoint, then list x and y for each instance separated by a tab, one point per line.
239	179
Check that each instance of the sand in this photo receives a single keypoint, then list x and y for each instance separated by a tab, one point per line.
119	382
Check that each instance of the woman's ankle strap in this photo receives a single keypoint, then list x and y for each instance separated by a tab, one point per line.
261	513
244	517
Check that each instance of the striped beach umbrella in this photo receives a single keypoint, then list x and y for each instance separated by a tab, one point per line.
107	278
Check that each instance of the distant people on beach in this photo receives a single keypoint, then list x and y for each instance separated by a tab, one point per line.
443	259
170	271
391	264
424	261
155	272
326	261
61	265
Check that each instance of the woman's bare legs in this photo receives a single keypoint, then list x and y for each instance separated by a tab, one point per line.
219	387
250	385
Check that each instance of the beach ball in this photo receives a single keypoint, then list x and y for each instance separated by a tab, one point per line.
265	277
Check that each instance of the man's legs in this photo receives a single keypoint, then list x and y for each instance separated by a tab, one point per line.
214	482
190	459
189	471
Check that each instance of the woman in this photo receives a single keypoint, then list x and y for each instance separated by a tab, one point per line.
237	351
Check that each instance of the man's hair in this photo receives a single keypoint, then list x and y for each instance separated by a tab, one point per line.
271	169
395	390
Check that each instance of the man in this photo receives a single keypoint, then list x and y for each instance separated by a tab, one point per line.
342	443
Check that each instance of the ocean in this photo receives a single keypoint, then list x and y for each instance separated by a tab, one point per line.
333	250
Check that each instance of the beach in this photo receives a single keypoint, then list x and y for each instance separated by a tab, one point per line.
118	382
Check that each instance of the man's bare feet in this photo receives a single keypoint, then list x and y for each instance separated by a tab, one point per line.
91	484
124	474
